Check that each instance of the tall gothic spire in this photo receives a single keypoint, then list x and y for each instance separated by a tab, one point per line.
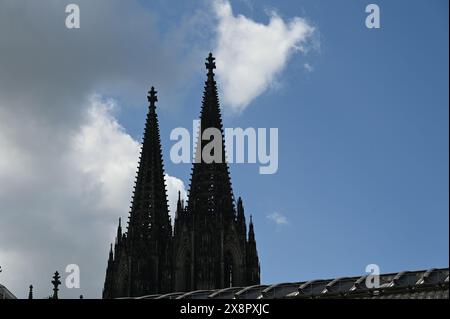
149	228
149	210
210	189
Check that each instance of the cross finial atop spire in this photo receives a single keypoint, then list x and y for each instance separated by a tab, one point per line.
152	98
210	65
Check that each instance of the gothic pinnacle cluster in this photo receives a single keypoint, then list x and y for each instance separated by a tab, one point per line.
208	248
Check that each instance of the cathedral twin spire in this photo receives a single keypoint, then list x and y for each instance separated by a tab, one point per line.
149	211
203	251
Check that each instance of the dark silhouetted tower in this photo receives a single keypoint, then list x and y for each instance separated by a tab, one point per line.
209	247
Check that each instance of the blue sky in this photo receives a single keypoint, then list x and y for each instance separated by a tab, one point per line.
363	131
363	152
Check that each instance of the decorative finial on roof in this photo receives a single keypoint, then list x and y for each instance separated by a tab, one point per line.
56	282
210	65
30	293
152	98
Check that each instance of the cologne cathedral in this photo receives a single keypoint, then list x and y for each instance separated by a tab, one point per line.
208	247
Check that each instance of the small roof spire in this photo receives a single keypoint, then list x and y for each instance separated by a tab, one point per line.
152	98
30	293
56	282
119	232
240	209
179	203
251	231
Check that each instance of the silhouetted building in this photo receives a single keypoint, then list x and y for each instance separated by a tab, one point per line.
209	247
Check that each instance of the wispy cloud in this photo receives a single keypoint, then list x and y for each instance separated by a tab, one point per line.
278	219
250	55
308	67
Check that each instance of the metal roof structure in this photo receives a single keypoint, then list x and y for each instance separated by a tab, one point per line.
5	293
422	284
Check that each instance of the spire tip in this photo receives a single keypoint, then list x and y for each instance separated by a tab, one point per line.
210	64
152	98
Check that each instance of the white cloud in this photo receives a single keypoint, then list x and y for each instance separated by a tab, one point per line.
66	166
278	218
308	67
69	212
250	55
104	152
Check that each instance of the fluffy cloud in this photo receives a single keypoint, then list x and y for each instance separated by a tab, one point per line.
71	213
105	155
278	219
104	151
250	55
66	165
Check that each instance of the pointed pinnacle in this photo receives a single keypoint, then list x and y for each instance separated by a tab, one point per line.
210	65
152	98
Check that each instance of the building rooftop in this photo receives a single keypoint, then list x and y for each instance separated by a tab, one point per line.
422	284
5	293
